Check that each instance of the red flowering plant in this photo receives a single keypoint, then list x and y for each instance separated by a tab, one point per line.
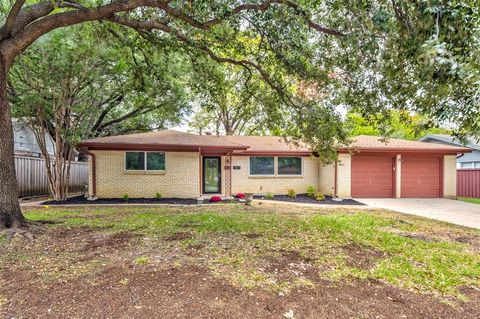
215	199
240	195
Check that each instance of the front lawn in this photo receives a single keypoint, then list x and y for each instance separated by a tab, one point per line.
470	200
235	261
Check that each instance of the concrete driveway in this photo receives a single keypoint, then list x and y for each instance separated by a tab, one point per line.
448	210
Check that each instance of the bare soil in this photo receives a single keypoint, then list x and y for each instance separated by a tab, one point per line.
119	288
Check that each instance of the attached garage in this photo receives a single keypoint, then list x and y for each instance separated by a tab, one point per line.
373	176
373	167
421	176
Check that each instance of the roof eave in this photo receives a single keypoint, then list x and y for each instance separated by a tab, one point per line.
158	147
409	150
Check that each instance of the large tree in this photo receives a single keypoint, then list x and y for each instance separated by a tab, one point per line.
230	101
363	51
74	88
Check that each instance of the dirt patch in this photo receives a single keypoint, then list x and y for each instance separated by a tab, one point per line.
361	256
108	241
179	236
252	235
409	234
192	292
290	264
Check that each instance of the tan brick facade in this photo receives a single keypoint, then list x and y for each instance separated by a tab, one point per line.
326	179
180	178
344	175
243	182
450	176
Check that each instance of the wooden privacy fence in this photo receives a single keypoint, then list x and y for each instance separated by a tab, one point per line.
32	176
468	183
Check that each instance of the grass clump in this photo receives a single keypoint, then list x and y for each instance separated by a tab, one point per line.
291	193
311	191
141	260
158	195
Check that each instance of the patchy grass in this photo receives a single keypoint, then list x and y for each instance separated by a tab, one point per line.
470	200
307	258
248	247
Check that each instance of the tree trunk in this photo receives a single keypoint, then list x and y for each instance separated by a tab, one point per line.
10	213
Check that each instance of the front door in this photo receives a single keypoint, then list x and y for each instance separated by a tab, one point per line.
211	175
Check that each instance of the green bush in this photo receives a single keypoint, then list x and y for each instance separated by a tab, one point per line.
291	193
319	196
311	191
158	195
269	196
125	197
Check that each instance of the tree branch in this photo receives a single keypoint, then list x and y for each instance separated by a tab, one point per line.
12	16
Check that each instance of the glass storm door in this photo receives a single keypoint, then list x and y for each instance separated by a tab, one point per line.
211	175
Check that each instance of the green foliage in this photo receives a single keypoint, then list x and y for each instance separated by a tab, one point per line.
158	195
100	83
319	196
125	197
311	191
291	193
269	196
397	124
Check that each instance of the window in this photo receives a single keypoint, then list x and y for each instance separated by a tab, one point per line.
155	161
262	166
477	164
140	161
289	166
135	161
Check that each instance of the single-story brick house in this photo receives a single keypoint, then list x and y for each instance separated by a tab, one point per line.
183	165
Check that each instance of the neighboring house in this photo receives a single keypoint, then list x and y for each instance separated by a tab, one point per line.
469	160
25	142
184	165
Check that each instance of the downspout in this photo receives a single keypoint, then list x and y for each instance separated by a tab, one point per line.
200	172
335	179
94	173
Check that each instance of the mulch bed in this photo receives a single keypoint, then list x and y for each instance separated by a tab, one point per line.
303	198
83	201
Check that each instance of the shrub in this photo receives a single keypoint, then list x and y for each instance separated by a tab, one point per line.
311	191
269	196
158	195
215	199
125	197
291	193
240	195
319	196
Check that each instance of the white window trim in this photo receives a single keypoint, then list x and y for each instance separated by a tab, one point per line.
145	162
275	168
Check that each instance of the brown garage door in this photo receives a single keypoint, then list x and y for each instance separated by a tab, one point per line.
372	176
420	176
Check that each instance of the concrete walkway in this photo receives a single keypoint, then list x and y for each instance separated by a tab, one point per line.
448	210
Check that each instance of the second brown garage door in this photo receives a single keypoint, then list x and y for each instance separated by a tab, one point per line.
420	176
372	176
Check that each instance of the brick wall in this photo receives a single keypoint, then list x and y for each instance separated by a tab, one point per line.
450	176
326	179
242	182
180	178
344	170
